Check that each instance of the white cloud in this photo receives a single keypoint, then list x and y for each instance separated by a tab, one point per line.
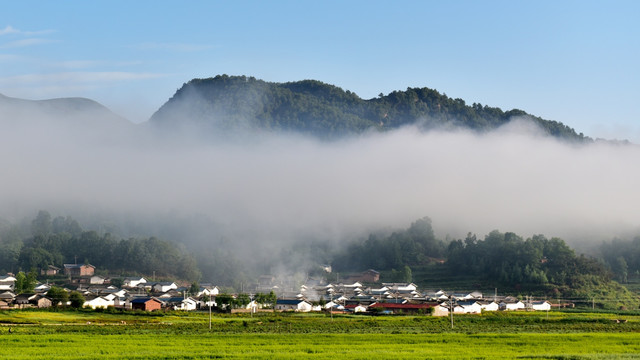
276	188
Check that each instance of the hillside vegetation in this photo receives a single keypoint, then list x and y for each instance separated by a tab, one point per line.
314	108
61	240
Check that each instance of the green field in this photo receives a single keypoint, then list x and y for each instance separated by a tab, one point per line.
89	335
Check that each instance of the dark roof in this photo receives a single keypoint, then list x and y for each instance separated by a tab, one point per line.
7	295
76	266
394	301
401	306
289	301
143	300
467	303
172	300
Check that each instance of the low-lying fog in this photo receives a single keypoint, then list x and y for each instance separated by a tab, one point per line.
275	188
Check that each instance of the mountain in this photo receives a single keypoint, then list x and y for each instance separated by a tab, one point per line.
79	113
326	111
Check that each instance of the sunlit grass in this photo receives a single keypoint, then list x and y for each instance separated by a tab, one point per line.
89	335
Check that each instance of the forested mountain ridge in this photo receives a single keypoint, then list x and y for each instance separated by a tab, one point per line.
326	111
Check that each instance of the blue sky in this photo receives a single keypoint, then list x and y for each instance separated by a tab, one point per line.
572	61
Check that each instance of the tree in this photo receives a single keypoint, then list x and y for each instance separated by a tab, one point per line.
76	300
406	274
41	225
20	283
194	289
25	283
243	300
223	300
622	268
30	281
58	296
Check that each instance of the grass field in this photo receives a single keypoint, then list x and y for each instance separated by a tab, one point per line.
90	335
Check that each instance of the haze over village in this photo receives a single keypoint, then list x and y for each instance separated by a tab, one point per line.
230	161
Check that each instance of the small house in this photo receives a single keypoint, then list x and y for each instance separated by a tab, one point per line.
7	282
133	281
297	305
50	271
489	306
100	302
146	304
356	308
163	287
79	270
468	307
540	305
511	305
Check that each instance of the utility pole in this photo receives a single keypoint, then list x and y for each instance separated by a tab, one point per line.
451	309
209	310
331	307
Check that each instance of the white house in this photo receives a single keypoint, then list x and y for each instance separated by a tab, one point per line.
356	308
187	304
163	287
7	282
473	295
441	310
541	305
352	286
132	282
489	306
468	307
400	287
293	305
97	280
42	288
100	302
512	305
208	291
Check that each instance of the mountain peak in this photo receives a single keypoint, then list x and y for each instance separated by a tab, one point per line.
315	108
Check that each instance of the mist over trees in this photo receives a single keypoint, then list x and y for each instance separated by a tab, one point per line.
506	260
622	257
416	245
60	240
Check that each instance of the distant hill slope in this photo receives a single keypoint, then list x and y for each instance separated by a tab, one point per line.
80	113
326	111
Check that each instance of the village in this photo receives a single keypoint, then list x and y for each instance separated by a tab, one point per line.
349	296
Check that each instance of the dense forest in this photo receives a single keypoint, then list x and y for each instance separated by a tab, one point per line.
61	240
505	260
535	265
623	257
326	111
